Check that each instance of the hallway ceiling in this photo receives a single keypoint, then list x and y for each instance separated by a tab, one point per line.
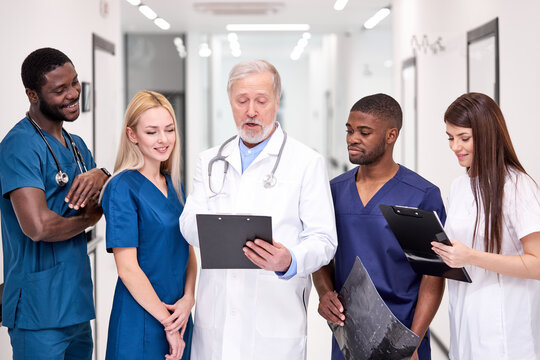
211	16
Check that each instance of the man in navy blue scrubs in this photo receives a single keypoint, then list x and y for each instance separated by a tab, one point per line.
48	199
372	130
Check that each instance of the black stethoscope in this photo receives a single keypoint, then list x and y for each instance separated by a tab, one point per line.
269	180
61	177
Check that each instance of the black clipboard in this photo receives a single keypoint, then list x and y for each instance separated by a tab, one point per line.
415	229
222	237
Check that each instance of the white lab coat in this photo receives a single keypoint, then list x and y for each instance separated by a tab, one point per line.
496	317
253	314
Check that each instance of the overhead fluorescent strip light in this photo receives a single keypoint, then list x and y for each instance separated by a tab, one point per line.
377	18
148	12
340	4
267	27
162	23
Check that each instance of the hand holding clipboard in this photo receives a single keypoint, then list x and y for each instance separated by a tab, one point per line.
415	229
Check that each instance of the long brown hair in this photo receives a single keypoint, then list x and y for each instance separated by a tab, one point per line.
493	156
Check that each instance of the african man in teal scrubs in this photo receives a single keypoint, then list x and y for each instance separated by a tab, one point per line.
48	199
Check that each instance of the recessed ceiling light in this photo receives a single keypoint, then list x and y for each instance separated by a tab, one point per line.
162	23
377	18
148	12
267	27
134	2
236	52
204	50
340	4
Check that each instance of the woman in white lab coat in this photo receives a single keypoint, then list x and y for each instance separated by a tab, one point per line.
494	225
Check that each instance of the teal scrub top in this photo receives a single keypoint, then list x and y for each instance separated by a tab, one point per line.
47	285
139	215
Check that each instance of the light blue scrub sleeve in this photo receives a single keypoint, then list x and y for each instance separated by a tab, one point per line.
21	166
120	208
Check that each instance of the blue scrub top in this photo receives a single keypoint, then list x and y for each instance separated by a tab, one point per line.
47	285
363	232
139	215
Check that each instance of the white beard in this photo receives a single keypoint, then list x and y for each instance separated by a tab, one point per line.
254	136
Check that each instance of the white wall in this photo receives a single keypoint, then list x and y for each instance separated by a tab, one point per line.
442	78
31	24
359	70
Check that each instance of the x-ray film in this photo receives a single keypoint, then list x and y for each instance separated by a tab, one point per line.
371	331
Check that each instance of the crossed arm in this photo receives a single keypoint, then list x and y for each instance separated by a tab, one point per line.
40	223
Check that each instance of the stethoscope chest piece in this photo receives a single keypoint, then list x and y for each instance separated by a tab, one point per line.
269	181
61	178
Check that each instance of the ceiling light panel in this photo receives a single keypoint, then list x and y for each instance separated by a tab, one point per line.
238	8
148	12
377	18
267	27
162	23
340	4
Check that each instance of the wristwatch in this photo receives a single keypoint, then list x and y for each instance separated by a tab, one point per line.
106	172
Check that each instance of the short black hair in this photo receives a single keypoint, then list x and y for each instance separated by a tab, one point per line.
381	106
39	63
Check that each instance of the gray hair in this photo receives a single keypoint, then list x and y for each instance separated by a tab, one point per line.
245	68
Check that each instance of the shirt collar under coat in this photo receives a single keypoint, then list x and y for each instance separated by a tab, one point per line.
231	152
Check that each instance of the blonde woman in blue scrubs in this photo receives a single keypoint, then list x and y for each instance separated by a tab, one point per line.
494	223
151	314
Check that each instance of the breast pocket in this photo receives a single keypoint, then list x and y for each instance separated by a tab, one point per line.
283	198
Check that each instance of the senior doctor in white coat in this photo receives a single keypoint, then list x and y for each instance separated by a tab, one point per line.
260	314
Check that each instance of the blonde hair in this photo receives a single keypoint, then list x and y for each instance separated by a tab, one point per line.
129	155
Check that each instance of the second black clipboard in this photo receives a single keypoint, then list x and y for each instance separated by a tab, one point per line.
415	229
222	237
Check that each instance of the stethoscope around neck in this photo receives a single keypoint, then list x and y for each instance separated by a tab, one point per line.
269	180
61	177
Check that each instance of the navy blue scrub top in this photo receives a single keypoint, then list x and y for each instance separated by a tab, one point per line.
139	215
362	231
47	285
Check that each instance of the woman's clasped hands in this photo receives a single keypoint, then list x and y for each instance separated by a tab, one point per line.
175	325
